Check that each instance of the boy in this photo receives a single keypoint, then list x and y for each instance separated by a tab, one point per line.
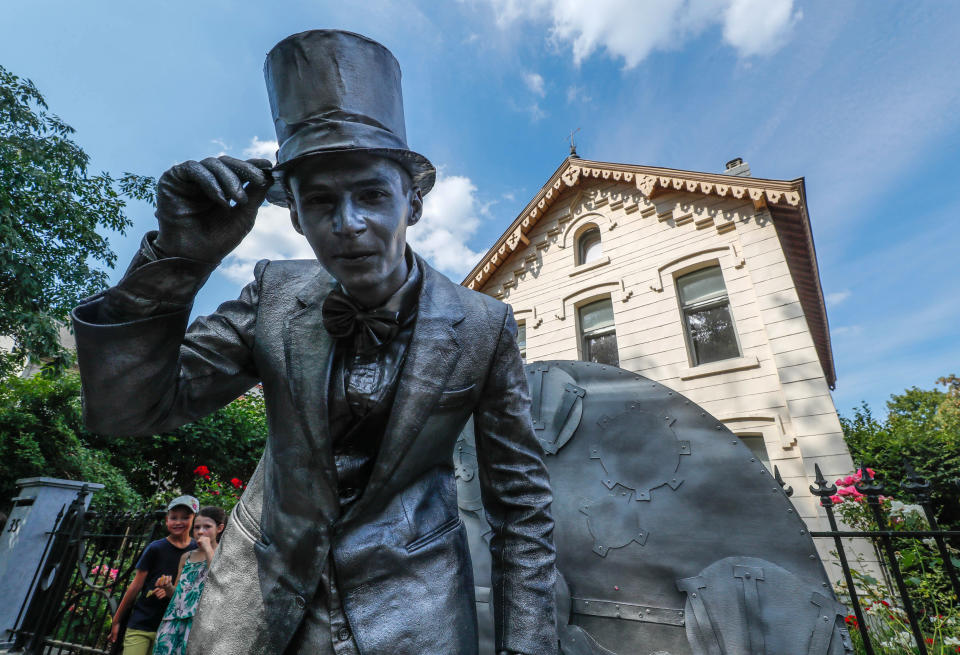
161	557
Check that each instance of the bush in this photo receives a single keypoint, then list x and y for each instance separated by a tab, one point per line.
923	428
41	435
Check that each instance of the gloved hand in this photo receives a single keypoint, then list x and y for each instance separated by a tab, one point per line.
194	210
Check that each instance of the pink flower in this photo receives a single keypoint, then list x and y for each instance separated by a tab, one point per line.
836	499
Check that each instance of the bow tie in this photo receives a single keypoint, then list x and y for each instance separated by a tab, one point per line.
343	318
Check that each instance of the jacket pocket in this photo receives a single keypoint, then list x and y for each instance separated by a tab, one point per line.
455	397
246	523
433	535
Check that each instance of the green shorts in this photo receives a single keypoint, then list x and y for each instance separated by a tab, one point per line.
138	642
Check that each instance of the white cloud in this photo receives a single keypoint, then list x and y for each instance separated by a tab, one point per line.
577	94
757	27
631	30
535	83
272	237
451	216
224	148
837	297
263	149
536	112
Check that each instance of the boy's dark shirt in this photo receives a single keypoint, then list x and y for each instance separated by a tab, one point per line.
159	558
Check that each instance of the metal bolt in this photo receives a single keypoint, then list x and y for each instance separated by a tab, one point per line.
746	575
693	595
813	557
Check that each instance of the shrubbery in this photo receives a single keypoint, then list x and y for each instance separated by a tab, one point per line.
42	434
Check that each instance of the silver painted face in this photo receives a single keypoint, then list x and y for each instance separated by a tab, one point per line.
354	210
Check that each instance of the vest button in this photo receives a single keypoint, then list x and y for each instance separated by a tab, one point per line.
300	601
343	634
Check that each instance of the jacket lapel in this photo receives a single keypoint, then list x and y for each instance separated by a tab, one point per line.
308	349
431	358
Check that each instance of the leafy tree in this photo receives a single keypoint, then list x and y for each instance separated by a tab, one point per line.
229	442
922	427
42	434
51	209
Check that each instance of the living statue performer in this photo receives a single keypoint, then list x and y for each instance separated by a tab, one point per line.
347	539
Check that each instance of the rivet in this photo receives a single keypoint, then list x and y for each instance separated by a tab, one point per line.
693	595
719	427
813	557
789	511
752	459
803	532
746	575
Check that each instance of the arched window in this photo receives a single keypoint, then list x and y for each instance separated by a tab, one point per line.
589	246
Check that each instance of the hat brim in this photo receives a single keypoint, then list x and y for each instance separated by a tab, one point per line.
422	172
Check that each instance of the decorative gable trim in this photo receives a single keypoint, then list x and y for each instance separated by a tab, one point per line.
649	180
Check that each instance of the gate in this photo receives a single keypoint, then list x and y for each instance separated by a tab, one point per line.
91	558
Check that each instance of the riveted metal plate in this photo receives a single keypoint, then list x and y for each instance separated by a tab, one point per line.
628	611
556	406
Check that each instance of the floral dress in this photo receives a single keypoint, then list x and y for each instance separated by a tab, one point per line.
175	626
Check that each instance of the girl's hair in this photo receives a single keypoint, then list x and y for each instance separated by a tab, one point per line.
215	514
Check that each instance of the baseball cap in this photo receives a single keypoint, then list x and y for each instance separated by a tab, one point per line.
189	502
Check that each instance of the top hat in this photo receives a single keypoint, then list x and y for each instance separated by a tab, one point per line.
332	92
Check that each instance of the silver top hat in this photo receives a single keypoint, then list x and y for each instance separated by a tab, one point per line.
333	91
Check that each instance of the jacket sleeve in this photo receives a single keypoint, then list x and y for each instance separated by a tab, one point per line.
516	497
142	371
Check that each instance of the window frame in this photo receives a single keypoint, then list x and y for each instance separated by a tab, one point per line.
582	335
587	232
522	345
709	303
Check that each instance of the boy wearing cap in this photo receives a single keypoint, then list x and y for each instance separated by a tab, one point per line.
160	558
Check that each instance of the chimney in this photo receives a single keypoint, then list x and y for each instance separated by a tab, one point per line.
738	168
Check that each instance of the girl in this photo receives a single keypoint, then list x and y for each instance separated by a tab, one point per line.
174	629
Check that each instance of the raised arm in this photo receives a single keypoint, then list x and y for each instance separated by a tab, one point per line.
142	372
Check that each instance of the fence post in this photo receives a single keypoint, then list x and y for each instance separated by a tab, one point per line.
872	490
37	509
825	490
920	490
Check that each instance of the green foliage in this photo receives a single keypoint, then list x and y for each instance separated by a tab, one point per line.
925	579
41	434
51	209
229	441
212	490
922	427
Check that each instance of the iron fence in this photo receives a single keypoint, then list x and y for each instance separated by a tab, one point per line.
91	559
888	539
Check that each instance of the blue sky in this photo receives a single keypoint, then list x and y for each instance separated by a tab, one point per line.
860	98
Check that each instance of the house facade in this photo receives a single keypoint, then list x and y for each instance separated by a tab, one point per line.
704	282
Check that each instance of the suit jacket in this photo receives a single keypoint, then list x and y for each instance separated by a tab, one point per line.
402	563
